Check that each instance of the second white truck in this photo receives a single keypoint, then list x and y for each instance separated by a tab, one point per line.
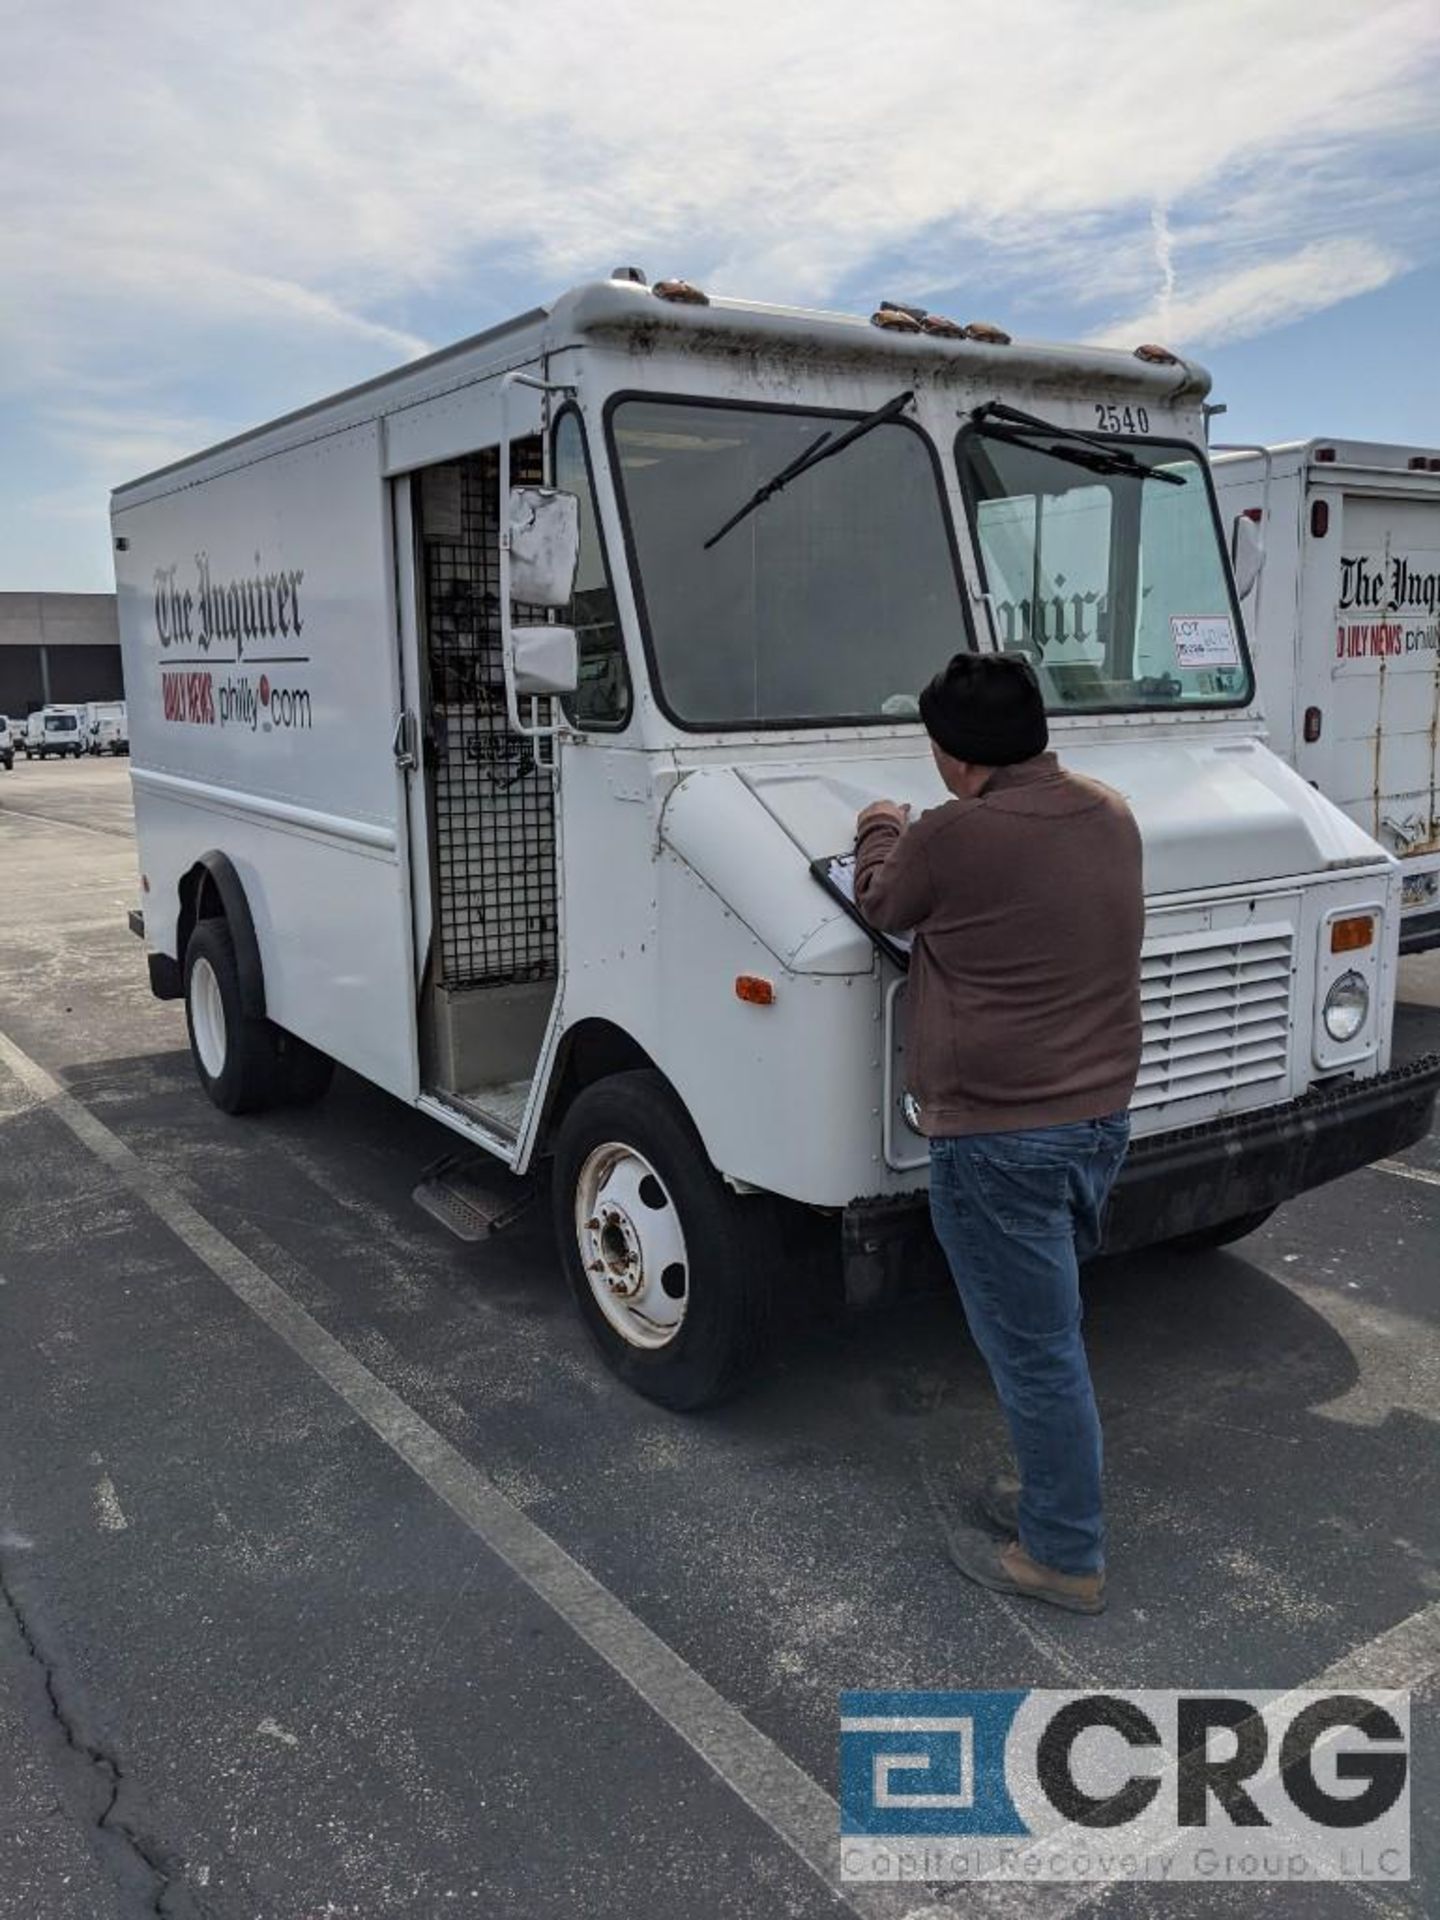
1345	623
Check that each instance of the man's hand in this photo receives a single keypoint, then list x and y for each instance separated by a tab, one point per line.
892	810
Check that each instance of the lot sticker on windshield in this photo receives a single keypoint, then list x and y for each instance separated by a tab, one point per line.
1203	640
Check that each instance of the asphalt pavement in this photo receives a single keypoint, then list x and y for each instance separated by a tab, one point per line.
338	1578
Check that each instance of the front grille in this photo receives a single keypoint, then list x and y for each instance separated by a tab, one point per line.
1216	1011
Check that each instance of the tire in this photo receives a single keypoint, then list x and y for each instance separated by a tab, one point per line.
234	1053
244	1064
628	1152
1222	1234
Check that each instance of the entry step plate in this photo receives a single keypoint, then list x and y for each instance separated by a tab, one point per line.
472	1195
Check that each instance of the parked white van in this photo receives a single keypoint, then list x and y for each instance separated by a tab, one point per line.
54	730
1347	636
488	721
107	729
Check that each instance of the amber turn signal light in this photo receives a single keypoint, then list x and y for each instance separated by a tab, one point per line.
752	988
1348	936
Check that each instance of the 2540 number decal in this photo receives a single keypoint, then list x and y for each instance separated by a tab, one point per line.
1112	419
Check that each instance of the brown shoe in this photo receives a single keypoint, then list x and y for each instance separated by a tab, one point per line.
999	1503
1009	1569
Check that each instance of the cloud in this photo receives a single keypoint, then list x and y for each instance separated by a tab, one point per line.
235	207
1256	298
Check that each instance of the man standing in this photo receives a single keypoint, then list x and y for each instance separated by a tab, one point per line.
1025	896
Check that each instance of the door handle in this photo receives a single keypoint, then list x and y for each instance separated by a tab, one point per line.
402	743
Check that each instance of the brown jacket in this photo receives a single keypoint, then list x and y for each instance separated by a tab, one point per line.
1027	904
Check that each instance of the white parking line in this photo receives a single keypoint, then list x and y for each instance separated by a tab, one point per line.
1407	1173
793	1805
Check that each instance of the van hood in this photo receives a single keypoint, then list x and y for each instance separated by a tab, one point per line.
1211	813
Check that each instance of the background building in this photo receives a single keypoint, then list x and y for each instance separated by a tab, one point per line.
58	647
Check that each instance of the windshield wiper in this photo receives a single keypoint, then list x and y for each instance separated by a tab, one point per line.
1103	456
821	449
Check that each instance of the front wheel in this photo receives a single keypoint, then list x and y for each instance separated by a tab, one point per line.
671	1270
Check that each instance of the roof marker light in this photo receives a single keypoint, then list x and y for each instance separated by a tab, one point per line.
1154	356
634	275
681	292
941	327
1325	453
897	319
986	332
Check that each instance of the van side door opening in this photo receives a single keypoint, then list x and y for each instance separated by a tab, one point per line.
489	982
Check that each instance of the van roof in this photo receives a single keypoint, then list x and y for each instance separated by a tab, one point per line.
621	309
1330	450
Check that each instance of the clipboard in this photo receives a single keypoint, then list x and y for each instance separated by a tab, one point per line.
836	874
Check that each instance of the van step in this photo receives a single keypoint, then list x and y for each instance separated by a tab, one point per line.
472	1195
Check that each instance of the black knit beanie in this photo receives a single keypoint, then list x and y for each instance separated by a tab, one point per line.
986	708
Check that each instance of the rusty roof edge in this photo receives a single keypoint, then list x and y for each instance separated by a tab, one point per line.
618	307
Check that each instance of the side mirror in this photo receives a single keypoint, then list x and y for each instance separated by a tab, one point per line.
1248	554
544	546
546	660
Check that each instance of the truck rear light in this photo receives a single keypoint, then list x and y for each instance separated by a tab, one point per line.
1319	518
1353	933
1314	721
1417	463
754	990
1432	465
1325	453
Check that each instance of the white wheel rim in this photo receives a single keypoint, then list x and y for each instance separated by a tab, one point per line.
632	1246
207	1018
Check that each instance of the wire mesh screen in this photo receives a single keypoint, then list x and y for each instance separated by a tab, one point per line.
494	807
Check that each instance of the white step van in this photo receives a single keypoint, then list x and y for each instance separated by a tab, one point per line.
488	721
1346	630
107	729
54	730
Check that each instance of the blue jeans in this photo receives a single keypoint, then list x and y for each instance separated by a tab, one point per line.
1016	1214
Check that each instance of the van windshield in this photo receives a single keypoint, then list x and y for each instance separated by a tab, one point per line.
835	600
1113	586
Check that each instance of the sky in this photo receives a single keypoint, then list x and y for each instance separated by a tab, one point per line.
216	213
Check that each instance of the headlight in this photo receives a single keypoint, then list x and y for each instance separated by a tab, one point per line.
1347	1005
